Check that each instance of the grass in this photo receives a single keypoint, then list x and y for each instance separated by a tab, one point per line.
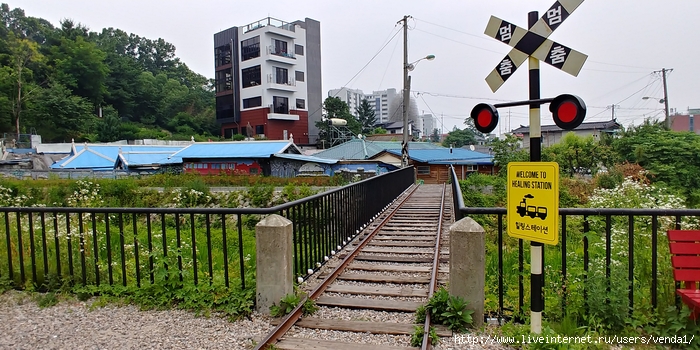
122	246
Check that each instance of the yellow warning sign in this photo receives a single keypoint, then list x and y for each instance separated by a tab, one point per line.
533	201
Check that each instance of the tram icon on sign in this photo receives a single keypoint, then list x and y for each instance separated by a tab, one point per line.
531	210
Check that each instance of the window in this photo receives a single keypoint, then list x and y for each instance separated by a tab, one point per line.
224	107
250	76
279	47
229	132
281	76
250	48
223	81
216	166
222	55
254	171
252	102
260	129
423	170
472	167
299	50
280	105
301	103
299	76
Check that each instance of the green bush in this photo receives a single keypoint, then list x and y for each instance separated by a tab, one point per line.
417	336
120	193
447	310
260	196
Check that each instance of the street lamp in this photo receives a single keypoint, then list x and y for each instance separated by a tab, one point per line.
406	97
665	102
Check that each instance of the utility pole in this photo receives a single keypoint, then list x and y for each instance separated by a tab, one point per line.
406	83
612	107
663	72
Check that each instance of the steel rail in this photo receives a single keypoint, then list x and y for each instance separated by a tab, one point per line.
433	275
294	316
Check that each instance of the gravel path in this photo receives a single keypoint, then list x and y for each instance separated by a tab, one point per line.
73	324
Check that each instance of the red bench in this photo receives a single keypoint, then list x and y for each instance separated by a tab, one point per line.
685	258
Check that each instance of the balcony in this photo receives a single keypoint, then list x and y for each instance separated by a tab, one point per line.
281	113
280	83
279	55
272	25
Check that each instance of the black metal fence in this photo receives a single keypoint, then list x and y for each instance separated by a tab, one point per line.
615	259
139	245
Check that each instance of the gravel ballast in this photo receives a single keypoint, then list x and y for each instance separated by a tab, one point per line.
73	324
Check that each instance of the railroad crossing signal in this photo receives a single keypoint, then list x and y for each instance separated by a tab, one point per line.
567	110
534	42
485	117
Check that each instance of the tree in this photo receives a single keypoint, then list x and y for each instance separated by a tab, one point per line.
59	115
366	117
337	109
24	54
435	137
506	151
579	155
458	138
379	131
80	66
670	157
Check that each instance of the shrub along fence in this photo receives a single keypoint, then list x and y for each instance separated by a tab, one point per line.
608	265
133	246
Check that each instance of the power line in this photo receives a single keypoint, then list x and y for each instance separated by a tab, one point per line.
361	69
459	42
620	65
612	71
437	94
388	64
456	30
481	37
373	57
621	87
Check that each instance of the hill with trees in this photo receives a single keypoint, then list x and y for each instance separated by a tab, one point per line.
68	82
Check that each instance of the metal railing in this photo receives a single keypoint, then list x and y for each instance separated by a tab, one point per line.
601	251
133	246
278	51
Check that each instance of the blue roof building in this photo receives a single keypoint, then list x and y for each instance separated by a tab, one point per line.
359	149
102	157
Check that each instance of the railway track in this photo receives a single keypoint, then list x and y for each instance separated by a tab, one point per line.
368	298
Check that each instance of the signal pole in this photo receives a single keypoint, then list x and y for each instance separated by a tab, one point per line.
536	248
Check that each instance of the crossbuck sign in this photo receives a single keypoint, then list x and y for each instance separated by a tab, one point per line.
534	43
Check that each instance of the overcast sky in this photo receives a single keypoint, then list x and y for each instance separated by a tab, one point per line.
625	40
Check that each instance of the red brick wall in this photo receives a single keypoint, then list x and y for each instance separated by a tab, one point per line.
274	129
681	122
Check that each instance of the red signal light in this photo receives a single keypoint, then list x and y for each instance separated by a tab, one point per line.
485	117
568	111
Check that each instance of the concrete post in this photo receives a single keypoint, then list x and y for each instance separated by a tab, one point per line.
273	261
467	265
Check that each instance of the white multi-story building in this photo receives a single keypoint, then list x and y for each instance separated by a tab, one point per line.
268	76
380	101
352	97
428	124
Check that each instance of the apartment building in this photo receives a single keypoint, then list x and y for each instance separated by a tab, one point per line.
352	97
268	80
380	101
